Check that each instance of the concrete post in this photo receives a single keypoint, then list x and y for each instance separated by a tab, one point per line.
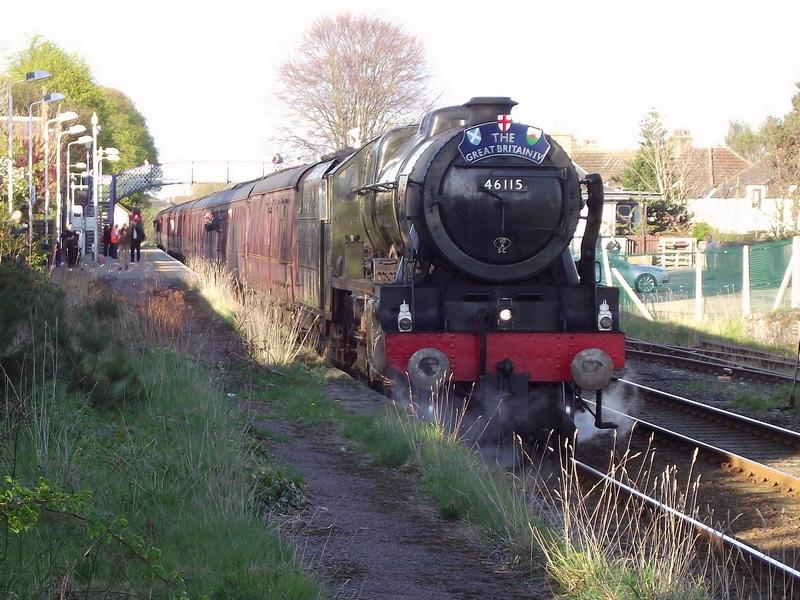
698	285
745	280
795	297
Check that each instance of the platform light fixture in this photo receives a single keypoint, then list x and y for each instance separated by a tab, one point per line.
84	140
95	183
62	117
30	77
51	97
73	130
110	154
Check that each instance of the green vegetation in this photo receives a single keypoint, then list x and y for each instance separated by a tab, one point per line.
30	311
657	169
611	547
750	144
380	437
688	332
123	127
763	402
161	493
701	230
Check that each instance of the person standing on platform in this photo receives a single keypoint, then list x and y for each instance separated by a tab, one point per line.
113	237
124	247
137	237
69	242
106	239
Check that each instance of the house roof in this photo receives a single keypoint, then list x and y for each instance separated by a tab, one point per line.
759	173
609	164
705	168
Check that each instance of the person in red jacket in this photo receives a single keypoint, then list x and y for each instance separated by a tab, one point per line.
113	237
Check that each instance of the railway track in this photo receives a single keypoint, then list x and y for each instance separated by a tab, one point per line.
760	449
764	458
741	354
718	362
771	573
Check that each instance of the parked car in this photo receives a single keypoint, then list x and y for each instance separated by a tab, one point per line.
642	278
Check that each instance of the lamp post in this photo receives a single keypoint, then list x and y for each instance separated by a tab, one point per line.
29	78
76	180
110	154
51	97
84	140
95	182
64	117
71	131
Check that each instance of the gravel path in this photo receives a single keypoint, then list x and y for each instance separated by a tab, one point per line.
371	535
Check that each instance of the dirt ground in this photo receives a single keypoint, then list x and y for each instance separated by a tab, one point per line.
370	534
367	531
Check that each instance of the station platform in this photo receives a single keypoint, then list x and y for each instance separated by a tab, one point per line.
155	266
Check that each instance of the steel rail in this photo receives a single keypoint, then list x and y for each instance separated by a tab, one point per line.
772	433
641	348
742	351
789	483
726	367
744	549
768	363
786	434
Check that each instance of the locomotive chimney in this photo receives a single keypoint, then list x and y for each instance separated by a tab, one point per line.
483	109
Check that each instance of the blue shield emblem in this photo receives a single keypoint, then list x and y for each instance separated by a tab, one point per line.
474	136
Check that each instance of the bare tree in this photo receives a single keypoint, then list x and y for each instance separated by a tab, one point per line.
661	166
352	73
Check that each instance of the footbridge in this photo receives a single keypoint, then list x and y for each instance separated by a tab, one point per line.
154	176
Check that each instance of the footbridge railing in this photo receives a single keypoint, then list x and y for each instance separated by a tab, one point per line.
147	176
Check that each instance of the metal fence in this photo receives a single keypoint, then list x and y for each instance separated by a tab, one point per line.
730	280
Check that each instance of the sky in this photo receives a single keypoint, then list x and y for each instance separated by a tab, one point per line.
204	75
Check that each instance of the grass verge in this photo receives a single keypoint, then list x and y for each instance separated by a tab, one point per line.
688	332
129	474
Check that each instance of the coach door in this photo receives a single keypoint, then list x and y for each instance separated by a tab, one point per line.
222	233
311	212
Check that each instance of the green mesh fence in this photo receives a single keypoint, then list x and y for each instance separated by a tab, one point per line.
666	282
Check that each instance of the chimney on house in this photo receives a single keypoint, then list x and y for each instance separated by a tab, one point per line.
681	141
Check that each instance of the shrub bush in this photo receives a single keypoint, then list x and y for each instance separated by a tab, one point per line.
31	312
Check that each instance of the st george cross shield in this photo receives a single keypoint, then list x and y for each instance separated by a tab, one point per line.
504	122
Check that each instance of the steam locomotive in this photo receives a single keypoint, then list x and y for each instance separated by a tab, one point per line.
437	250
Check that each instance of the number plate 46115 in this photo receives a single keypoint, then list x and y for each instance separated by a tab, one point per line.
505	184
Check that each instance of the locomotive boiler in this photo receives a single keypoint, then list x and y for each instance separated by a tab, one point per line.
440	250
